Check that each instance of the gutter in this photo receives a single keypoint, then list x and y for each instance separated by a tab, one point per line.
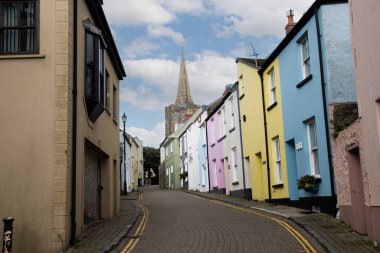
208	161
74	133
323	85
241	141
266	134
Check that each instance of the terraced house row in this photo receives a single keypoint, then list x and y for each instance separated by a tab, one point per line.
271	135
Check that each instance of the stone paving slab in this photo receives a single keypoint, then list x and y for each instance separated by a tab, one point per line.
332	234
104	235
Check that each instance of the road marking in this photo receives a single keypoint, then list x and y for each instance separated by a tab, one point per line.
139	231
302	240
140	197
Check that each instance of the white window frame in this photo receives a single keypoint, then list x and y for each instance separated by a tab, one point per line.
305	54
272	87
171	147
167	171
313	150
234	165
171	169
277	160
232	118
223	121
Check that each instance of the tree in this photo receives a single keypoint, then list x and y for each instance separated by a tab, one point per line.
151	161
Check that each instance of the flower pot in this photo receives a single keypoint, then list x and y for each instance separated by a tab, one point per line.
312	189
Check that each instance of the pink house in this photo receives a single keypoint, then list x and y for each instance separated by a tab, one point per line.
215	148
357	152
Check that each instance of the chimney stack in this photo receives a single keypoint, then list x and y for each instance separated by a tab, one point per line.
289	26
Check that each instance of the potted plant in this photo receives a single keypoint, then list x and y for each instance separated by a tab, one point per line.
309	183
183	175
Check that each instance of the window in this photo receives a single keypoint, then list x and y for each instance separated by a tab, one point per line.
94	71
242	85
234	165
272	80
115	103
167	171
171	169
171	147
108	92
223	122
313	147
232	118
277	156
305	57
166	151
212	128
19	27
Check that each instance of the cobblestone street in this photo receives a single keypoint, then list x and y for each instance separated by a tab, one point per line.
180	222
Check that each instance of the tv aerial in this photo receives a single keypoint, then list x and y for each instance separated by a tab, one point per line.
254	54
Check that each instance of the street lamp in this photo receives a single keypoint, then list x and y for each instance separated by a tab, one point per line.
124	118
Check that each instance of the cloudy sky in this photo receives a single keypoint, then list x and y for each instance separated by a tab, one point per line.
149	35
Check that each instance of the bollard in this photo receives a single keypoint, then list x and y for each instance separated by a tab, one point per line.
7	239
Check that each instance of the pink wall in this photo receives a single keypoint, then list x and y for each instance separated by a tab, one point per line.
215	153
365	23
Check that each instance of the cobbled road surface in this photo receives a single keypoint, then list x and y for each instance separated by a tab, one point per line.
181	222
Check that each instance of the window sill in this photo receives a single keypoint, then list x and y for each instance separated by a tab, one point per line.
107	110
241	96
221	138
23	56
276	186
272	106
114	121
235	183
212	145
304	81
232	129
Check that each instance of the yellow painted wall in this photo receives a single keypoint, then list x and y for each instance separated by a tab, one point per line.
253	128
275	128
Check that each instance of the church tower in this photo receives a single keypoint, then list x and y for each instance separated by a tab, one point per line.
176	114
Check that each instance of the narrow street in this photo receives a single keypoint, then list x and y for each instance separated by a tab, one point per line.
174	221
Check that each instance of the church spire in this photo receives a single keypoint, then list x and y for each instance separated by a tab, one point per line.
183	92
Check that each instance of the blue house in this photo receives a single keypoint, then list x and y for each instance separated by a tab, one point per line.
317	78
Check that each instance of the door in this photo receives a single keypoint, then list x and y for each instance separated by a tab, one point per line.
357	192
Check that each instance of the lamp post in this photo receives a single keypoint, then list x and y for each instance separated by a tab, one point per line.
124	118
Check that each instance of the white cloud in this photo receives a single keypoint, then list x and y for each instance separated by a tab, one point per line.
141	12
161	31
255	17
151	138
208	74
140	47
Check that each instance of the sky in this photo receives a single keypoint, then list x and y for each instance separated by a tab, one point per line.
149	35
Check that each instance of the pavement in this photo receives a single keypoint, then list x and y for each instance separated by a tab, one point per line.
106	234
332	234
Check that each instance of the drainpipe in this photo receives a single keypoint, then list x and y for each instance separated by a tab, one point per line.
323	84
241	140
208	160
266	134
74	133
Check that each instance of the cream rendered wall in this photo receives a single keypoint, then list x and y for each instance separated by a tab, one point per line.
253	128
35	135
103	134
134	163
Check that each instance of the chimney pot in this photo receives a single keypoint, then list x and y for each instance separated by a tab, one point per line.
290	24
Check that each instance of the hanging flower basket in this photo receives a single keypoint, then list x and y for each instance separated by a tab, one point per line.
309	183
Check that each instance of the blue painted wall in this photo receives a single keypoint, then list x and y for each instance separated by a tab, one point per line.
299	105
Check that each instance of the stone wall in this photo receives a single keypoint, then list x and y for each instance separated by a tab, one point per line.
161	175
342	115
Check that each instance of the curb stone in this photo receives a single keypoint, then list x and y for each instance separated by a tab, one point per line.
122	235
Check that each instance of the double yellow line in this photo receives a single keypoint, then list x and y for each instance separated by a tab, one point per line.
304	243
139	231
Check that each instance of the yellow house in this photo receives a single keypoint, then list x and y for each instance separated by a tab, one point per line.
253	136
275	131
134	162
